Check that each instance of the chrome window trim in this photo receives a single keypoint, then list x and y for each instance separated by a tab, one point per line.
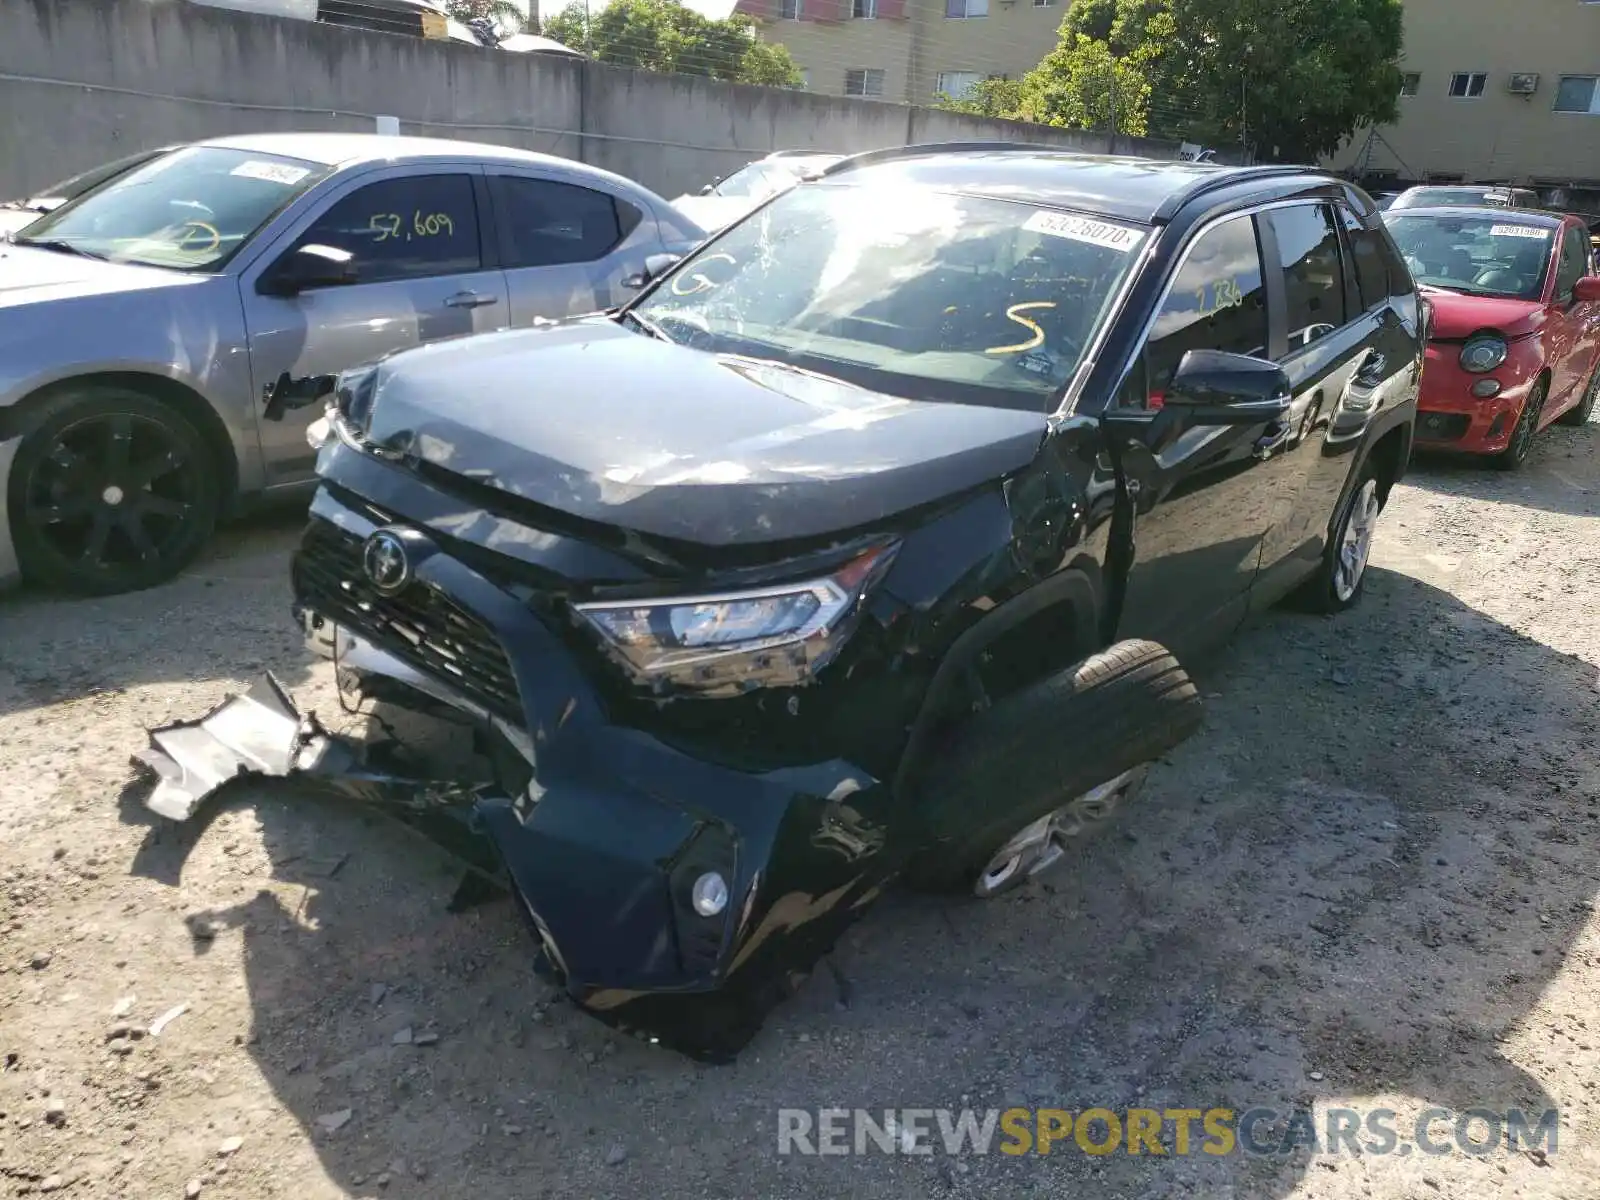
1075	389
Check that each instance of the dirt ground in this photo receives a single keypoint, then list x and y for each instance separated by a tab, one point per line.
1368	882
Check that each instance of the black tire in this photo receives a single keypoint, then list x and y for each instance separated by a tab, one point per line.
92	523
1522	435
1033	751
1322	593
1585	407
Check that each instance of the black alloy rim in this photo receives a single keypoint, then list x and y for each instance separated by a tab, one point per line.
113	495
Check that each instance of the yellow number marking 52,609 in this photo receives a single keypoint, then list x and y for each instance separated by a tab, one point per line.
389	226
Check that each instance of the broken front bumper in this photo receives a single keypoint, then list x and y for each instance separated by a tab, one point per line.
606	831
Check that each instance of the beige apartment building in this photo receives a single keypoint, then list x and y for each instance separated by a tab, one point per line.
1502	91
1494	92
908	50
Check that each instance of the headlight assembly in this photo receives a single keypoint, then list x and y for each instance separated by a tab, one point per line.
732	642
352	397
1483	352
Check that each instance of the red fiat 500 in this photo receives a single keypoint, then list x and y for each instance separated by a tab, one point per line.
1515	341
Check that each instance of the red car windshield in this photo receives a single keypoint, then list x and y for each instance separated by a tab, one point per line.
1478	255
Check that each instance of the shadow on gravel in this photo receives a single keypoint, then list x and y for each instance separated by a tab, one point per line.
1369	866
1561	475
230	612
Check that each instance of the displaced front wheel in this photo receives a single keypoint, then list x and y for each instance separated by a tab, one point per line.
1044	769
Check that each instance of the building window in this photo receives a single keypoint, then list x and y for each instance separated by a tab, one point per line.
1411	82
863	81
805	78
1051	3
1578	94
789	10
1468	85
966	8
956	84
864	10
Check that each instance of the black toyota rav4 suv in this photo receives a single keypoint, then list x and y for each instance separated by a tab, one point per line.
860	544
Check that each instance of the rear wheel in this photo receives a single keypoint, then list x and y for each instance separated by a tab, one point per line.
1516	451
111	491
1342	577
1585	407
1043	770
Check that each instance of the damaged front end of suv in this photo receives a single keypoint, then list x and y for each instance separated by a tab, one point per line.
698	574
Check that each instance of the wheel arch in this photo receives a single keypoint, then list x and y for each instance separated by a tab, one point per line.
1062	611
17	419
1388	457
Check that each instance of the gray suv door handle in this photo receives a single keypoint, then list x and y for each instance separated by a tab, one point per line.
470	300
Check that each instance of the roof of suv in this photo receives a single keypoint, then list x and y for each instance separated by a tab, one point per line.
1134	189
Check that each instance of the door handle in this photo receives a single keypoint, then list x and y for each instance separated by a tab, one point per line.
470	300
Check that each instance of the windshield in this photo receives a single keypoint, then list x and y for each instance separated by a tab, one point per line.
750	181
1483	256
1432	197
71	188
191	209
917	293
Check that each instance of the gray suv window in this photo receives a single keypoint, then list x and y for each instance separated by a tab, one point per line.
407	228
544	223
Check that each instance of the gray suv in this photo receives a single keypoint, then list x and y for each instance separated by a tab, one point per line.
153	330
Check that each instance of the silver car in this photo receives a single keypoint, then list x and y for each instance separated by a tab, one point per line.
152	329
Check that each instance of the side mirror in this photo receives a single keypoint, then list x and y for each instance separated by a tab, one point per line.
1587	288
1215	387
655	267
308	267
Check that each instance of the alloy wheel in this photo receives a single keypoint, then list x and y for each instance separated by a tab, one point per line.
1043	843
113	494
1522	435
1355	541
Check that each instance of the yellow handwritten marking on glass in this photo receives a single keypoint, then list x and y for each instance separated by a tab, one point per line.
1224	293
392	226
701	283
186	236
1038	334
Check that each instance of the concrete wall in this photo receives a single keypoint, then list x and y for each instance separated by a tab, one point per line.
84	81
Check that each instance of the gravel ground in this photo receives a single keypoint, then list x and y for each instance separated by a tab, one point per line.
1368	882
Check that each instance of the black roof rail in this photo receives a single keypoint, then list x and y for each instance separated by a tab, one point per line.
891	153
1227	177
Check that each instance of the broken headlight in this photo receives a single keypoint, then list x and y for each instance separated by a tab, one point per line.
726	643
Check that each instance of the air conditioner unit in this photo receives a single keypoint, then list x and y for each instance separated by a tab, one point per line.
1524	83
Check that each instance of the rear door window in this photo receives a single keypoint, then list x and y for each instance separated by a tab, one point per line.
1313	277
544	223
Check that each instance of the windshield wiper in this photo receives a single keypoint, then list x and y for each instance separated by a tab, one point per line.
648	327
61	247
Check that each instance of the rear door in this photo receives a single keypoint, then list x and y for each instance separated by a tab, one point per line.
421	275
1201	504
566	247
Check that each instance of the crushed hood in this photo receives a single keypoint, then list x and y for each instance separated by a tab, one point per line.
606	425
1456	316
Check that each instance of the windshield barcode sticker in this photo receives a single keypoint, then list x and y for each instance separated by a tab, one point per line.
1080	229
1520	231
271	172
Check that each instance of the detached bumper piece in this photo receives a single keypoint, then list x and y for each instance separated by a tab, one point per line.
677	927
262	735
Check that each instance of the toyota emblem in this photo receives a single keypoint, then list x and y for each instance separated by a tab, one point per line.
385	561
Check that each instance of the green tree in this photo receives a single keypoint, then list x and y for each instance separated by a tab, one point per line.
1291	79
507	16
663	35
988	98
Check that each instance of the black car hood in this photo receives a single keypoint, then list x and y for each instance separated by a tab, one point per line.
606	425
